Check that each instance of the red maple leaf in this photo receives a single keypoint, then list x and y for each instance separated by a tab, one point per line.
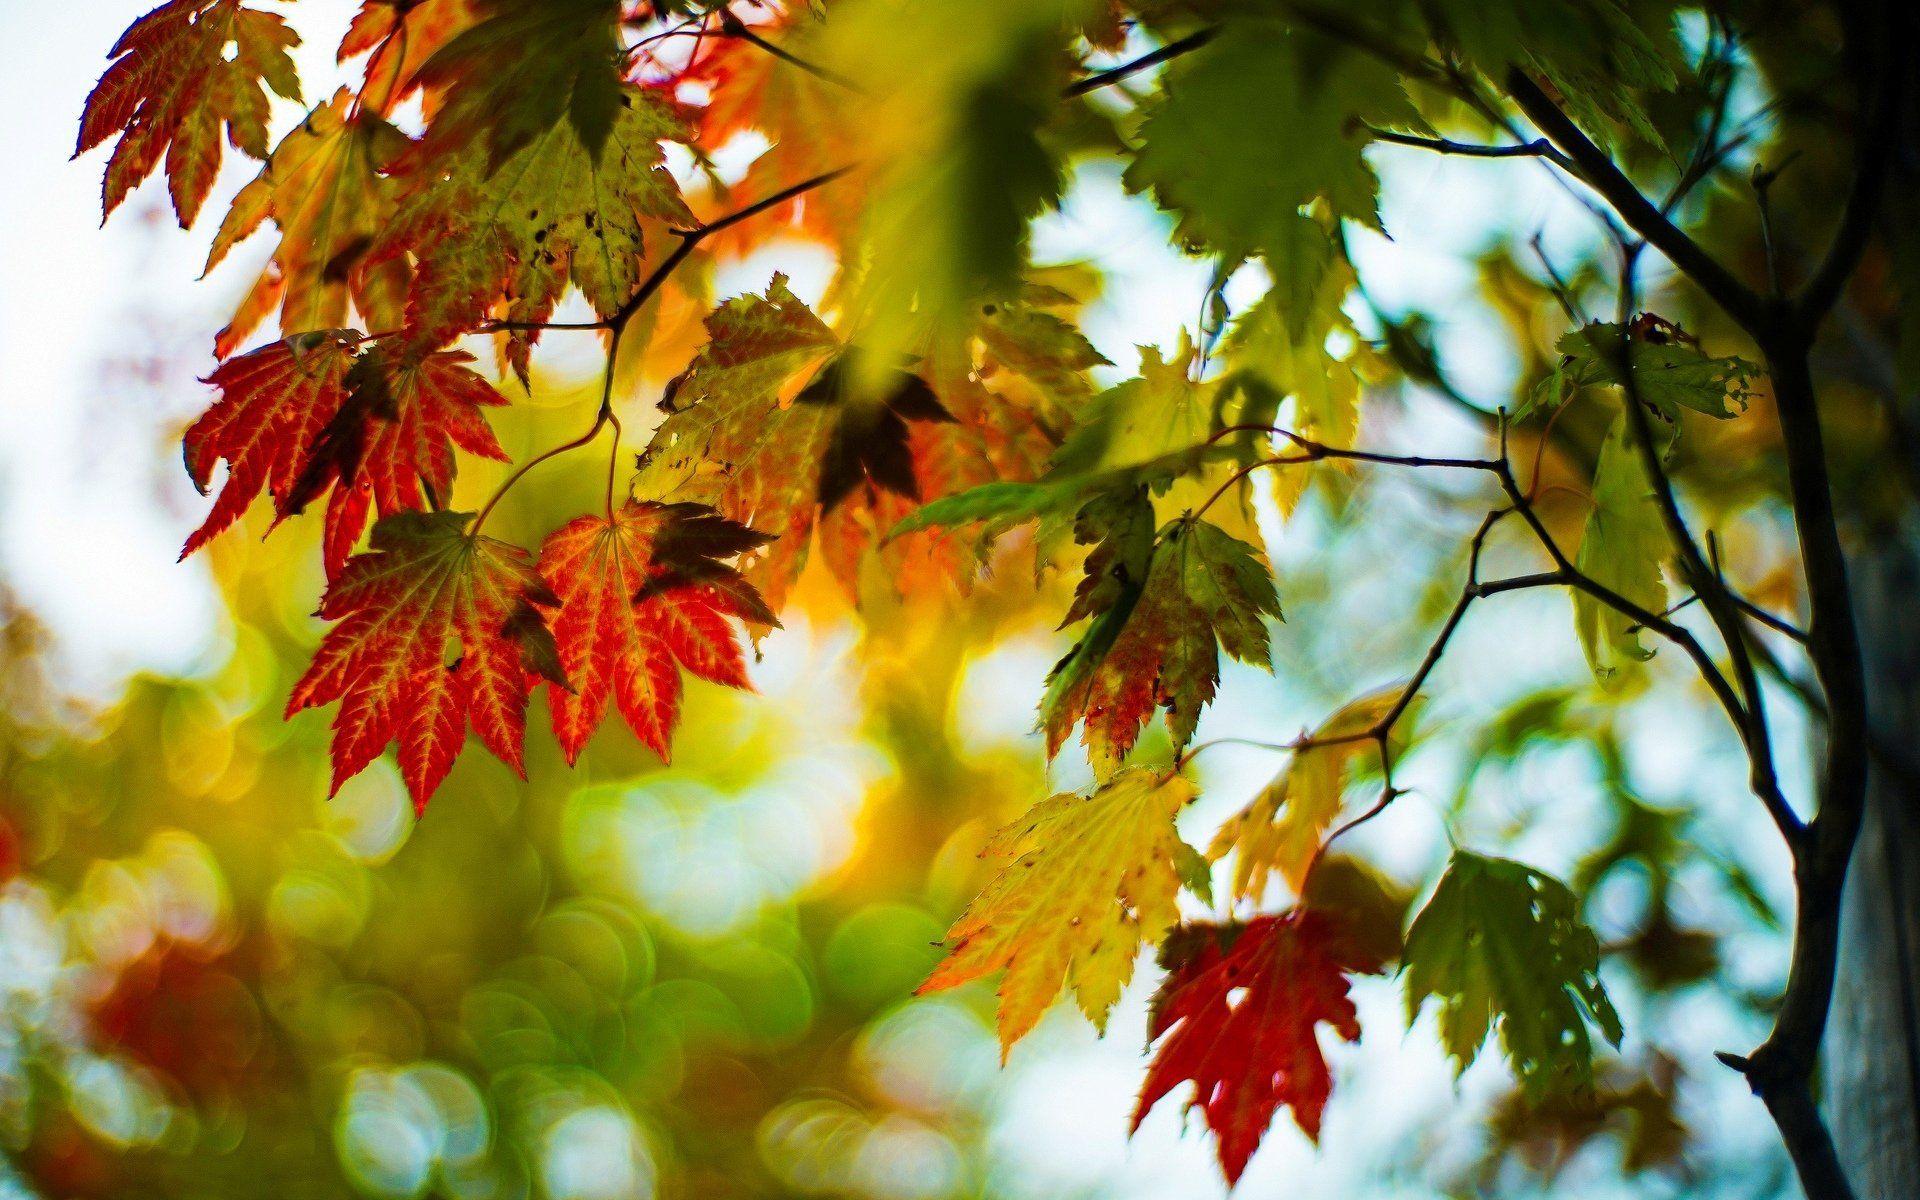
327	410
644	593
180	73
274	403
394	434
1238	1015
439	629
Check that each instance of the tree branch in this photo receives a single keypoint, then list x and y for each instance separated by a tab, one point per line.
1152	58
1597	171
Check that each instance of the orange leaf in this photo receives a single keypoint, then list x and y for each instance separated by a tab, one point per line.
642	595
174	83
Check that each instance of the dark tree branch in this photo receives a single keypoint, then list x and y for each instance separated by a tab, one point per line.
1882	83
1152	58
1598	171
1537	148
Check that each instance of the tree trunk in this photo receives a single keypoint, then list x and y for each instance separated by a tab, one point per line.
1873	1050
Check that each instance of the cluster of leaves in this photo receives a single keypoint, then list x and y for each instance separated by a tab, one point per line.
940	399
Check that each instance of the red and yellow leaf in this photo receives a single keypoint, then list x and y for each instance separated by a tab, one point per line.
439	630
273	405
1281	830
1239	1015
556	212
1157	643
402	35
179	74
393	438
767	426
644	594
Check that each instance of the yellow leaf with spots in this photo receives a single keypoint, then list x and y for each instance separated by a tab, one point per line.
1093	879
1281	830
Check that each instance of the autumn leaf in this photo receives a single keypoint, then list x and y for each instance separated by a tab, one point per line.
274	403
771	426
644	594
1623	547
1093	878
1158	645
179	74
325	190
1239	1015
399	37
439	629
531	66
952	156
1502	945
1281	830
392	439
557	211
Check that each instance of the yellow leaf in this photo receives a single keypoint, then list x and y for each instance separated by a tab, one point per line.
1095	877
1282	828
323	187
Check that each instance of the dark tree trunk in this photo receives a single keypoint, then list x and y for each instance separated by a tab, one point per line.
1873	1058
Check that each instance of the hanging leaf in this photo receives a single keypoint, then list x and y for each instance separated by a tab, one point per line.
439	629
1623	547
1092	879
392	439
644	594
1282	829
325	190
1158	645
273	405
179	74
1239	1015
1501	946
1670	371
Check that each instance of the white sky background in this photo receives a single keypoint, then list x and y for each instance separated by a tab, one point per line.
93	506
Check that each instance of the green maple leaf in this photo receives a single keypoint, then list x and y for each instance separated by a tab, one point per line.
1623	546
1159	430
1501	944
531	65
1669	372
1599	57
1264	120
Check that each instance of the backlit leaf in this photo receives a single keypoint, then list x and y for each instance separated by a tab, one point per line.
1501	945
1239	1015
323	187
273	405
1158	644
438	629
1281	830
179	74
1093	878
644	594
1623	547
